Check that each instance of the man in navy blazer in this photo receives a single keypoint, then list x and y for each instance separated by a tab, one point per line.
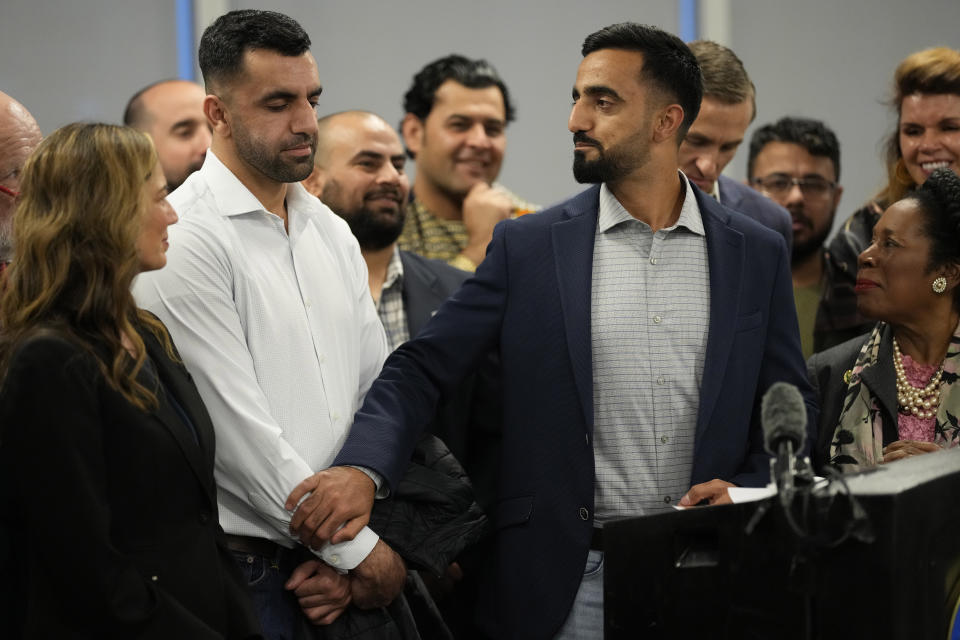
536	299
729	106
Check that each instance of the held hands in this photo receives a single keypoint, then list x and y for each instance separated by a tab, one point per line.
338	495
323	593
906	448
714	492
483	207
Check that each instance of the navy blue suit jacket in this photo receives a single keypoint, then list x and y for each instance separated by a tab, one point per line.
530	299
754	204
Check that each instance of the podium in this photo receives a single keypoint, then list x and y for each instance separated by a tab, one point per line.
703	573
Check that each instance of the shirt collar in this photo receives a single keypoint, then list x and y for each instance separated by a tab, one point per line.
394	270
612	212
232	197
715	192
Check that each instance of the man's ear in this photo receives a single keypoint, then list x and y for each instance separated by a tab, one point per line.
314	182
668	121
217	115
412	130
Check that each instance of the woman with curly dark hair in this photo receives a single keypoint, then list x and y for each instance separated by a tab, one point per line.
106	450
895	392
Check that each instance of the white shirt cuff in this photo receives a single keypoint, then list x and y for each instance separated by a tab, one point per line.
345	556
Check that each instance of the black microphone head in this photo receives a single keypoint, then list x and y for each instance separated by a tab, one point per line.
783	415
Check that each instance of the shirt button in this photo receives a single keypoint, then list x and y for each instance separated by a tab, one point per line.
204	518
584	514
321	358
335	559
653	260
666	499
664	439
660	380
336	417
306	303
154	578
656	319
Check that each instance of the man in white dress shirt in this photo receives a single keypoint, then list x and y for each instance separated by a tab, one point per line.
265	294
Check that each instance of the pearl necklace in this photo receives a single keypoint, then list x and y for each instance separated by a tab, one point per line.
921	403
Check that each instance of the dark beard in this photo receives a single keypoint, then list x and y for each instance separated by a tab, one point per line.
374	232
272	165
803	251
603	169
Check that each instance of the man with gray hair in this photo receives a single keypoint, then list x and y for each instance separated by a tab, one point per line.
19	136
729	106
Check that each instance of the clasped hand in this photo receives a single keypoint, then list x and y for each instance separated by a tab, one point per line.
337	508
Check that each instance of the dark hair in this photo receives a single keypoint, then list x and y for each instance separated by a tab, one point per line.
224	42
668	64
724	78
812	135
475	74
939	201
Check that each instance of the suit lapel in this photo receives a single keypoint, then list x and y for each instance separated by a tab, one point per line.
573	240
882	381
421	294
725	255
199	453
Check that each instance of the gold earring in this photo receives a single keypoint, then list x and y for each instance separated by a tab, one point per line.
939	285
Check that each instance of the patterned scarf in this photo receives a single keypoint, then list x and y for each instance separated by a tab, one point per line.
858	441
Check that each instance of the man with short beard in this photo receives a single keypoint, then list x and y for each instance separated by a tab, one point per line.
360	175
19	136
638	323
265	295
455	128
796	163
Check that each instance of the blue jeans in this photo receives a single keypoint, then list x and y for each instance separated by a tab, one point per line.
585	621
278	609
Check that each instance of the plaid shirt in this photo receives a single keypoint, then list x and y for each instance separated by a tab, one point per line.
390	304
439	239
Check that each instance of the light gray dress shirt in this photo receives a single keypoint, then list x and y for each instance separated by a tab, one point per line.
650	317
282	338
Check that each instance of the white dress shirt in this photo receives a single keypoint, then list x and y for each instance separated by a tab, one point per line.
281	336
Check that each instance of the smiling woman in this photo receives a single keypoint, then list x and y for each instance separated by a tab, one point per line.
896	392
926	97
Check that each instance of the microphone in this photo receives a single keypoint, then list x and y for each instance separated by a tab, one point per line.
783	418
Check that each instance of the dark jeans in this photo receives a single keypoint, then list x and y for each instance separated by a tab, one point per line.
278	609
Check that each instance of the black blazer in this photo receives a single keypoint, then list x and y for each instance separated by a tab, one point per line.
531	300
826	370
112	510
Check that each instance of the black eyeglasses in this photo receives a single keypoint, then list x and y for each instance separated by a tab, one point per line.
779	184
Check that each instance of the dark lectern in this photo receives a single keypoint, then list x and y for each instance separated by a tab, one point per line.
885	564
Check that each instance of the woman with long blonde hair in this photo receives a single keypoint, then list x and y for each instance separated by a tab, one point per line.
106	450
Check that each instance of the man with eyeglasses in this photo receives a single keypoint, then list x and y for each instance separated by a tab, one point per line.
19	136
796	163
728	108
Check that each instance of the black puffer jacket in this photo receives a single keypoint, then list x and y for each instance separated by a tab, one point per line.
429	520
